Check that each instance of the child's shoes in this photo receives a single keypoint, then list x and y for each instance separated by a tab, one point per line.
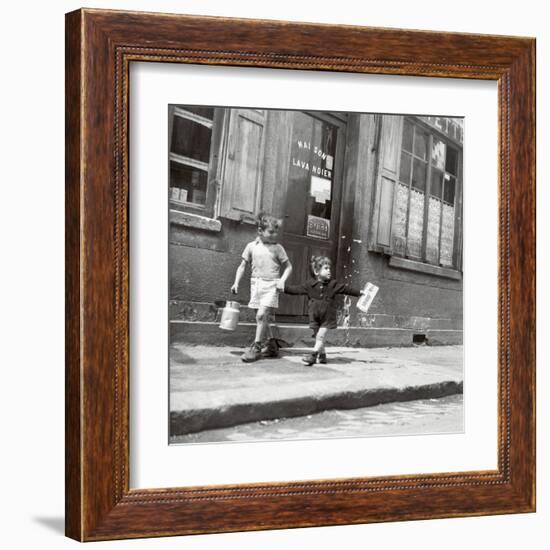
323	358
253	353
271	349
309	359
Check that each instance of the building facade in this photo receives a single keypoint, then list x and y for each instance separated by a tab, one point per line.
380	194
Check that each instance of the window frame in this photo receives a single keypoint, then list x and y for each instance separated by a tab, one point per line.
217	126
458	230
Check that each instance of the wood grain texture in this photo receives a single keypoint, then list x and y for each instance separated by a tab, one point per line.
73	457
100	46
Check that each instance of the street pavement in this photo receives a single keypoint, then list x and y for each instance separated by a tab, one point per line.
211	388
424	416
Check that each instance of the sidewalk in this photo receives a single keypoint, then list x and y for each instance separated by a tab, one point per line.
210	387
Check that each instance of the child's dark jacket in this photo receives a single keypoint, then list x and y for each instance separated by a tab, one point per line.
322	304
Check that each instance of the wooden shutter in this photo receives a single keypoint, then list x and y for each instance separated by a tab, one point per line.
171	110
243	166
391	128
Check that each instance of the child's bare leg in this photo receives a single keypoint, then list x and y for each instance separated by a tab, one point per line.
315	332
262	322
270	348
311	358
323	339
272	329
254	352
320	340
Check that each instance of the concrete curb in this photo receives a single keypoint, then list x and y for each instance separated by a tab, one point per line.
196	420
197	333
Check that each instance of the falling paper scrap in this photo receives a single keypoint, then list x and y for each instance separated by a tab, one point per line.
365	301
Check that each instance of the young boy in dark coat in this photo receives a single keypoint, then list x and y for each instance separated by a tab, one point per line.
321	291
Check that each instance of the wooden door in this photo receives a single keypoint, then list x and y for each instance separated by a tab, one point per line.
312	203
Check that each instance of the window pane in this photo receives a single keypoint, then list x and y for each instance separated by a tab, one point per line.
400	219
187	184
322	166
205	112
416	224
405	168
414	219
420	143
447	235
298	174
434	224
438	154
452	161
408	136
419	175
311	173
191	139
449	191
437	183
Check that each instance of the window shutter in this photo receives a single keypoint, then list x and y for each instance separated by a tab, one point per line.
170	126
243	167
391	128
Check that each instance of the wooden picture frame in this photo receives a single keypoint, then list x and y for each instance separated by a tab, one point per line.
100	45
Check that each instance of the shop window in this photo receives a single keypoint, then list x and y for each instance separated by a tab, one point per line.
310	190
419	207
193	136
216	161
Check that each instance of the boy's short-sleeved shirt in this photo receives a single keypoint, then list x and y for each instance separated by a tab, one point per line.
266	259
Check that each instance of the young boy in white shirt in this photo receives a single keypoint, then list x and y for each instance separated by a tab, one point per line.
266	257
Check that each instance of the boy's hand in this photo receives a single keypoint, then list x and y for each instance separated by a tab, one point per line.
280	285
235	289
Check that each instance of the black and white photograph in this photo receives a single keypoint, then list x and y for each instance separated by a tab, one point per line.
283	262
315	266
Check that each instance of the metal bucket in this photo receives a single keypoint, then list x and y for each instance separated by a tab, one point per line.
230	316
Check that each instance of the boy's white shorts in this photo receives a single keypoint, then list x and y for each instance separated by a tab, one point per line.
263	292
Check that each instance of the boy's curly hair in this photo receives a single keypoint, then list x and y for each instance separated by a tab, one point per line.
264	221
317	262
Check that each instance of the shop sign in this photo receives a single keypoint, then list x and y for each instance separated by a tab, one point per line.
304	151
451	127
318	227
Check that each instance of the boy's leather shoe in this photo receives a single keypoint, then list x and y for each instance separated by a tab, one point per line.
323	358
253	353
309	359
271	349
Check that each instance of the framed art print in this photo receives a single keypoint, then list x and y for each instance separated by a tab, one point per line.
300	275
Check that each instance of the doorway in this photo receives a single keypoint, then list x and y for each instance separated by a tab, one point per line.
312	203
